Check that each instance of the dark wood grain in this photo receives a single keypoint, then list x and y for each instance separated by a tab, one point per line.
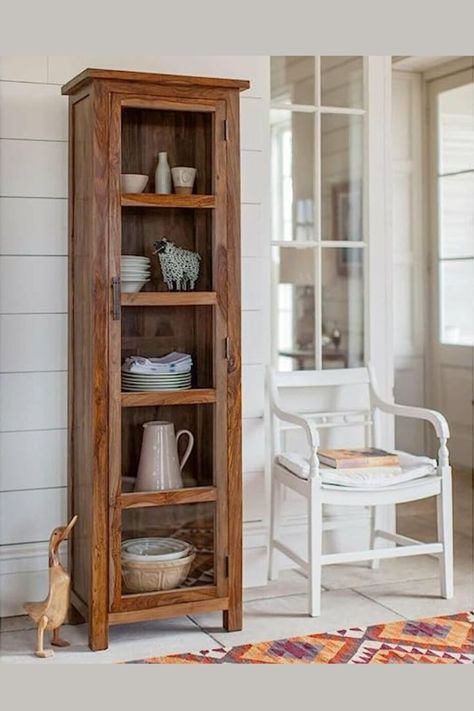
118	123
233	615
154	200
175	80
194	396
190	495
169	298
158	612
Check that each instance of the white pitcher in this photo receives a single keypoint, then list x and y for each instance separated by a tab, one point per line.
159	466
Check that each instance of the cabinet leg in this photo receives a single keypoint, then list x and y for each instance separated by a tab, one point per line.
232	618
98	636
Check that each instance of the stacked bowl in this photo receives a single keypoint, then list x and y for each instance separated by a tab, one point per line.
134	272
152	564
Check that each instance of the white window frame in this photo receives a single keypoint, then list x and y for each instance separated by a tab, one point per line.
317	245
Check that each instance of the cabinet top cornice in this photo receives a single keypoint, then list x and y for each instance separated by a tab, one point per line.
88	75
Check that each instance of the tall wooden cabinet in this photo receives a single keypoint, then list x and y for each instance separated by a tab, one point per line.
118	123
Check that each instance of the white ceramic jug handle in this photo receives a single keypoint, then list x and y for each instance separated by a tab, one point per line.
188	449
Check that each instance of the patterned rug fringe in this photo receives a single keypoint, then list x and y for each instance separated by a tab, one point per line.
435	640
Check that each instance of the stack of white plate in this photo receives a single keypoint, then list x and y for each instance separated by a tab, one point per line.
134	272
155	381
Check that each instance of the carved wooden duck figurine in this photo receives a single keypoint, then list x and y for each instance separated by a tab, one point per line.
51	613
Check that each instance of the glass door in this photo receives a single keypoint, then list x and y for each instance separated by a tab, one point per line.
318	147
452	274
168	422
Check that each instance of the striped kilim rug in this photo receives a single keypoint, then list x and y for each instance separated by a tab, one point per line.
435	640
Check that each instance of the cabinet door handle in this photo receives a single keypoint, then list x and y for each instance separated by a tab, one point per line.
116	310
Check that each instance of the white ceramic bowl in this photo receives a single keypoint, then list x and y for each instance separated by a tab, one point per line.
133	182
132	287
155	549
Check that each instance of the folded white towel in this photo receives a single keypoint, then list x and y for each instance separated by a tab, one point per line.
171	363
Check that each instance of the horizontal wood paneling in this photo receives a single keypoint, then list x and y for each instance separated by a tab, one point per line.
252	390
253	446
255	333
33	226
33	342
27	68
19	515
253	283
33	111
254	493
32	401
254	176
33	168
33	285
252	124
252	231
33	460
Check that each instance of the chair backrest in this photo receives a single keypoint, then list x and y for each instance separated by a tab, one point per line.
338	402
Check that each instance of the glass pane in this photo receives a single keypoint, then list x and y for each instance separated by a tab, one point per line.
153	459
342	82
457	301
292	175
292	80
293	273
341	177
456	129
457	215
191	524
342	307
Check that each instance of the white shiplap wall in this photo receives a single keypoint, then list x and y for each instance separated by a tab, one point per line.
33	302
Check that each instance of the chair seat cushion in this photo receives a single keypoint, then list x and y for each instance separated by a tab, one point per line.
411	467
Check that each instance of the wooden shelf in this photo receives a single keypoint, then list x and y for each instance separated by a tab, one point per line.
153	200
170	497
195	396
169	298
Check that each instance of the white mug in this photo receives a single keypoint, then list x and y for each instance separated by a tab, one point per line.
183	179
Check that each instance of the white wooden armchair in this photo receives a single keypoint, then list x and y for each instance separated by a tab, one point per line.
353	403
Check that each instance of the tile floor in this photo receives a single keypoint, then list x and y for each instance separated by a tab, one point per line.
353	595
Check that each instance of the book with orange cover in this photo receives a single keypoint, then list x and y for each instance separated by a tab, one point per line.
354	458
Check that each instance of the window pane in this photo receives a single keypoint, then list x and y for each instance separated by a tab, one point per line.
341	177
292	79
342	82
456	129
342	307
292	175
294	297
457	301
457	215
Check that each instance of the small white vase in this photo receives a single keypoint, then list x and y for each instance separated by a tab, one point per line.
163	175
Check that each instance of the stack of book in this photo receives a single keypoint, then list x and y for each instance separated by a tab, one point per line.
353	460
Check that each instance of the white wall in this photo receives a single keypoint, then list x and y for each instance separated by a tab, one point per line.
33	302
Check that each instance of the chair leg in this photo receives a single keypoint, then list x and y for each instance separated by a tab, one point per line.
315	542
275	516
444	509
374	525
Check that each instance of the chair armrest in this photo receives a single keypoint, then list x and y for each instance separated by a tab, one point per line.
438	420
419	413
305	423
312	434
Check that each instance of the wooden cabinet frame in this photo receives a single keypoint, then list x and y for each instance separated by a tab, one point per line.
96	402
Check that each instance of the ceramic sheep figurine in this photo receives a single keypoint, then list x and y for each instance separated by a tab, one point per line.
180	267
